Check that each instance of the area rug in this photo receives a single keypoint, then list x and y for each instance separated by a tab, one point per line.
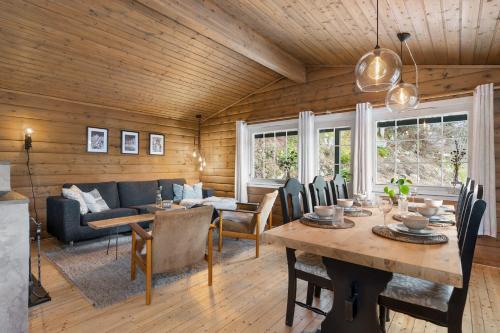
105	281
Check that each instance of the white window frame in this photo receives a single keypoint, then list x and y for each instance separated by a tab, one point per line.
334	120
462	105
275	126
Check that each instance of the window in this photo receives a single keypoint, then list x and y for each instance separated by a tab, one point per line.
423	149
275	155
335	152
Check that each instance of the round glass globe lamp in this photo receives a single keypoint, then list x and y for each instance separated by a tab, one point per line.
401	97
378	70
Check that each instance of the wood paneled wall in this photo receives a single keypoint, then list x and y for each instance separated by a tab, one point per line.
331	89
59	145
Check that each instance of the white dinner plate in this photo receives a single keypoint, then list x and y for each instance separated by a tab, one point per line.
401	228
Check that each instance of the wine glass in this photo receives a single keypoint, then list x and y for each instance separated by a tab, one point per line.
413	193
384	206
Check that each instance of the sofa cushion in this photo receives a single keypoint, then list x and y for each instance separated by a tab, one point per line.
167	190
137	193
108	191
94	201
107	214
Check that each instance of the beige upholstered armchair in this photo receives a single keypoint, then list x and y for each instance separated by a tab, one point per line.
177	239
248	221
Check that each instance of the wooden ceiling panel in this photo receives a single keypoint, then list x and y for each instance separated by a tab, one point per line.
121	54
326	32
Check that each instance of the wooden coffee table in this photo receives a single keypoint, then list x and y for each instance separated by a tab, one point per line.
114	223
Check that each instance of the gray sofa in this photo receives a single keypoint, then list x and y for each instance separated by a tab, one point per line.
65	222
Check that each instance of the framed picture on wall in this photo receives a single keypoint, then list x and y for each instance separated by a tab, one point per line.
97	140
130	142
156	144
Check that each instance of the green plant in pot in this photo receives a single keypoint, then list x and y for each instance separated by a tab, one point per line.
403	186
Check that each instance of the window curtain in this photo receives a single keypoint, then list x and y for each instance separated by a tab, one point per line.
482	153
362	156
242	172
307	147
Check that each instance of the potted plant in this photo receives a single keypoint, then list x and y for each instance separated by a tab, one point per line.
403	185
457	158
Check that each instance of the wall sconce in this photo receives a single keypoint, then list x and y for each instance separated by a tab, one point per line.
27	138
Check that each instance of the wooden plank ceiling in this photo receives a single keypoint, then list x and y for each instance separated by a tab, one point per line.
139	55
120	53
327	32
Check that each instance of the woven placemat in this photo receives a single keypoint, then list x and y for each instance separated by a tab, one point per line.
383	231
316	224
358	213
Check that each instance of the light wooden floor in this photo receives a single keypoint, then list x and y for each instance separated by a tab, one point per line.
248	295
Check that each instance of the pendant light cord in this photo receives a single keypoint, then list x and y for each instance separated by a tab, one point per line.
414	63
377	46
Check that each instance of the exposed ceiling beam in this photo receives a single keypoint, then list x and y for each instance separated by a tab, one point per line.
211	21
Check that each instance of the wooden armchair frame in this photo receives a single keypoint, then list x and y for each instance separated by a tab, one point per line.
248	208
147	265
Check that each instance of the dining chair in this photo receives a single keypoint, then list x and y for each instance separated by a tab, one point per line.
304	266
439	304
320	192
246	223
472	195
462	197
176	239
339	188
293	199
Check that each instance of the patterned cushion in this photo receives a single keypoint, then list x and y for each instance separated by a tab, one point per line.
310	263
419	292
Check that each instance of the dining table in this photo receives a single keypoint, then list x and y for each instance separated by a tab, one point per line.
361	263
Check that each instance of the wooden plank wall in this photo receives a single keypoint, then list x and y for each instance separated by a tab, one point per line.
59	152
330	89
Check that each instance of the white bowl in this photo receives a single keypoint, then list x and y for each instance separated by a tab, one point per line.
415	222
324	211
360	197
433	203
428	211
346	203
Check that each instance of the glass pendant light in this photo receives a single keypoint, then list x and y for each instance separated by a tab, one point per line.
403	96
379	69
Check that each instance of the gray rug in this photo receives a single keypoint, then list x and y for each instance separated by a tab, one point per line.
105	281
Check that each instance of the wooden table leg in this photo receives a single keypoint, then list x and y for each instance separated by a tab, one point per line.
356	290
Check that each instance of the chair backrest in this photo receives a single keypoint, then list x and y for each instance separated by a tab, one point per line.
461	198
471	196
180	238
293	200
265	209
320	193
470	185
339	188
459	296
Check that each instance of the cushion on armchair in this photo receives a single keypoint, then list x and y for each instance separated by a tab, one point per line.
237	222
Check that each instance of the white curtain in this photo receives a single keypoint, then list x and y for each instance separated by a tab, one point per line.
482	153
307	146
362	157
242	172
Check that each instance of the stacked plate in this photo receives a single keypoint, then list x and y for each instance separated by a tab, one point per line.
402	229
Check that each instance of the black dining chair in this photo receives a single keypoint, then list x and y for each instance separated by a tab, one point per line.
320	192
301	265
294	201
339	188
462	197
442	305
471	195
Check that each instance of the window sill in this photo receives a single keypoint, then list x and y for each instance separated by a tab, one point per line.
266	184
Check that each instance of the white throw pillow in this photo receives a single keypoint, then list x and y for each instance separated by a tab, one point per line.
193	191
74	193
94	201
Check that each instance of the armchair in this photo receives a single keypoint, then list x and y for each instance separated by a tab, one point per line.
247	221
177	239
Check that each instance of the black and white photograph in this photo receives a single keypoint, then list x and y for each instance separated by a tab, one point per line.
130	142
97	140
156	144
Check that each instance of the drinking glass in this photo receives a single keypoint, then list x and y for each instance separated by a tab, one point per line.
338	216
384	206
